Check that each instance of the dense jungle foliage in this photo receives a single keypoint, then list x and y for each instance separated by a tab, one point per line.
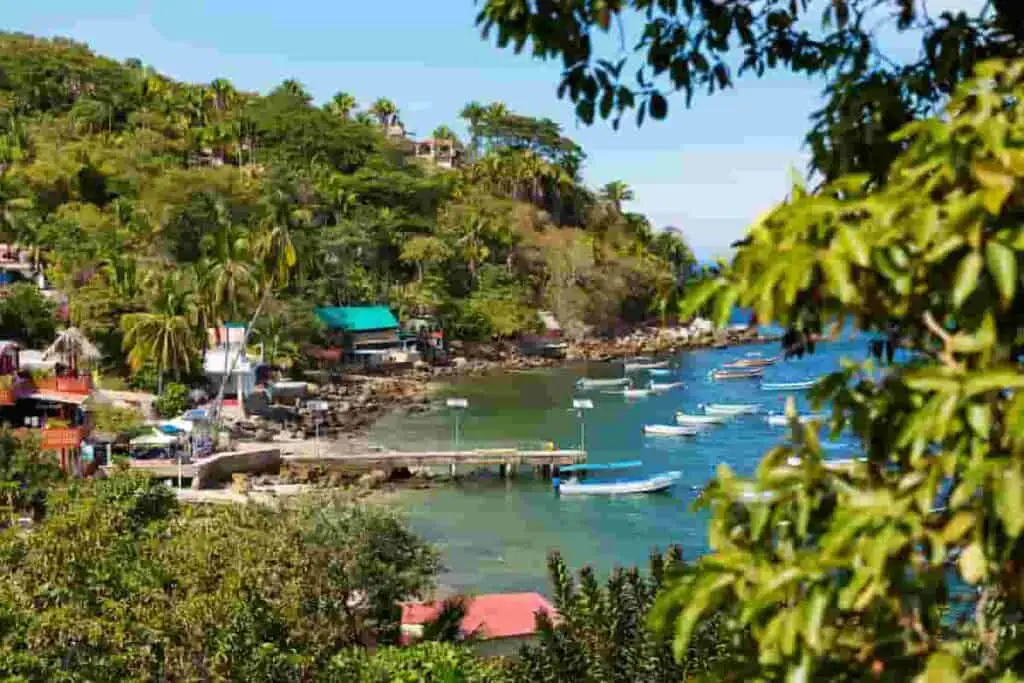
161	207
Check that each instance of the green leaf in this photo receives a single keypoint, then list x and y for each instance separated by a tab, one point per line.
972	563
838	272
658	106
1002	266
1010	500
961	523
966	278
993	380
942	668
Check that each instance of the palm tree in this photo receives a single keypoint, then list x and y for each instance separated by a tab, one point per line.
165	333
473	113
341	105
295	89
615	193
443	132
224	94
229	277
385	111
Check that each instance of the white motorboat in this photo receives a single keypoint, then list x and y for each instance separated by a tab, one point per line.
700	420
788	386
636	367
652	484
783	420
660	372
587	383
731	408
662	387
637	393
740	373
671	430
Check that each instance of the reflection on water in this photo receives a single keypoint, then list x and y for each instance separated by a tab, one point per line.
495	534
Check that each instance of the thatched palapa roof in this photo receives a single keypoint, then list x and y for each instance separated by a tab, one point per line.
72	343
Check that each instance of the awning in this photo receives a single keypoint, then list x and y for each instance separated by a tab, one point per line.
58	397
153	439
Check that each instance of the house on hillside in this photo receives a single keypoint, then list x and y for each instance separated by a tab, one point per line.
225	354
499	624
367	335
442	152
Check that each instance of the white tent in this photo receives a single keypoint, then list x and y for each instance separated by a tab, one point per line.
156	439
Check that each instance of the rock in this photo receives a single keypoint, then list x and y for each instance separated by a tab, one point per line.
372	480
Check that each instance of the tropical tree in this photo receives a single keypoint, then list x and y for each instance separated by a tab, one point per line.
615	193
385	111
165	334
842	571
295	89
342	105
224	95
443	132
871	90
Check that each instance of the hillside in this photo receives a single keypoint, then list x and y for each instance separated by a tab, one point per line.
161	207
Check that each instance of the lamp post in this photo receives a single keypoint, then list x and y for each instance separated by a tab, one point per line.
581	404
458	405
318	408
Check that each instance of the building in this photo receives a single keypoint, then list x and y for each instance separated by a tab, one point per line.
499	623
443	153
366	335
226	354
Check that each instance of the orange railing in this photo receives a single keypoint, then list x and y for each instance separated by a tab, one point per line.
55	438
70	385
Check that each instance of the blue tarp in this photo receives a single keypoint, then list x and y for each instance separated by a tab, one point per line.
357	318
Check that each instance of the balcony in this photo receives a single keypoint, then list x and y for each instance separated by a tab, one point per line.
55	438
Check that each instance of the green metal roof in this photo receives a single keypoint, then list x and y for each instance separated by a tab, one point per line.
357	318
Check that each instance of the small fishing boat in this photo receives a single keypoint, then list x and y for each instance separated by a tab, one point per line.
660	372
788	386
636	367
753	362
587	383
652	484
739	373
701	420
671	430
662	387
637	393
783	420
730	408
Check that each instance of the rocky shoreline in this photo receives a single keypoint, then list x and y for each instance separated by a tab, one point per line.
356	402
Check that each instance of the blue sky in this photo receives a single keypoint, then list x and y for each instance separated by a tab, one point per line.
708	170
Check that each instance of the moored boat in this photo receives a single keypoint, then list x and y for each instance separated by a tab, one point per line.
661	387
783	420
587	383
660	372
730	408
739	373
788	386
699	420
753	362
635	367
671	430
651	484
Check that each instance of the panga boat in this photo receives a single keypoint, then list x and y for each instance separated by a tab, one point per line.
788	386
739	373
731	408
660	387
634	367
587	383
752	362
671	430
637	393
660	372
700	420
783	420
652	484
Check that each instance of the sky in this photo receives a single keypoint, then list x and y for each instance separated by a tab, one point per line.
708	170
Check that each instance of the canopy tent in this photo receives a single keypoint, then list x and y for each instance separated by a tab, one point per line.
357	318
155	439
74	347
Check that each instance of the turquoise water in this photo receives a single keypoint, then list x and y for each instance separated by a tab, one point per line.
495	534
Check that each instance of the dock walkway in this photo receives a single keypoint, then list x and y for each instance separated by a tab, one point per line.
508	459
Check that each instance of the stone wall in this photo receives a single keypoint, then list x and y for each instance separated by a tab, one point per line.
218	468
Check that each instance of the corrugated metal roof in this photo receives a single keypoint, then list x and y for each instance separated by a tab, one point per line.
357	318
495	615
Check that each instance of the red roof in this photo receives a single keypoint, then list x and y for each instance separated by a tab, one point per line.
498	615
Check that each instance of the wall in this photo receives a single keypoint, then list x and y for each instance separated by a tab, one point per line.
219	467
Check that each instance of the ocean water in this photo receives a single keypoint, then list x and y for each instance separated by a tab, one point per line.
494	534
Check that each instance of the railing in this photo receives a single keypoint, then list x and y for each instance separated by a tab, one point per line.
69	385
55	438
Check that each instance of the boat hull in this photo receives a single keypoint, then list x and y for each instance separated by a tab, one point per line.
731	409
700	420
656	484
635	367
601	383
751	373
787	386
671	430
666	386
782	420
